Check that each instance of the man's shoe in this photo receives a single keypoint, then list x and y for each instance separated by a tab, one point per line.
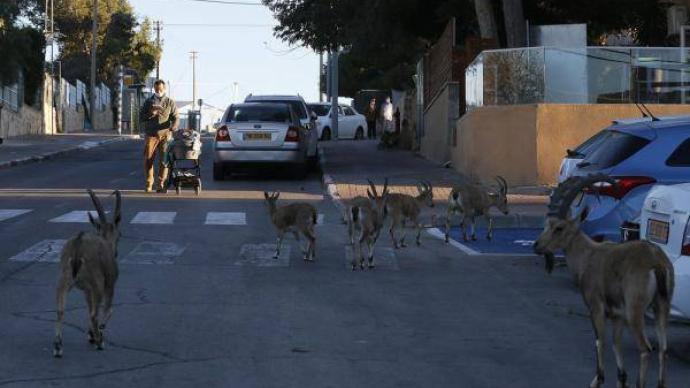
162	191
148	190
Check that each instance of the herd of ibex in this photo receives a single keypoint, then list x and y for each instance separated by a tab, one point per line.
618	281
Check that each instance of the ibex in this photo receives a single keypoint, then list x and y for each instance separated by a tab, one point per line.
88	261
296	218
402	207
474	200
617	281
366	218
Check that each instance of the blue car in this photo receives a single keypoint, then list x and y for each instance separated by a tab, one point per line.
638	155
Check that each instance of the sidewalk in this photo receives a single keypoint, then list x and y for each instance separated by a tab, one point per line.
27	149
347	165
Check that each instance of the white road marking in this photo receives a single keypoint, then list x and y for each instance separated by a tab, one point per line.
6	214
319	219
261	255
152	252
384	259
46	251
154	218
221	218
133	173
435	232
524	243
76	216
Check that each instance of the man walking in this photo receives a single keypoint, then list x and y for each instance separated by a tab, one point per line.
160	119
370	116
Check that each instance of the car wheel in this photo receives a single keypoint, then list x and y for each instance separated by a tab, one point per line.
218	172
359	135
326	134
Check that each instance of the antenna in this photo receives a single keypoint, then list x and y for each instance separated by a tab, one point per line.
654	118
644	114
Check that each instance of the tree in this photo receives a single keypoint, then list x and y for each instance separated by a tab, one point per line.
514	20
120	41
486	19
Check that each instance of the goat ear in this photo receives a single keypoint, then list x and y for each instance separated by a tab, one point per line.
276	195
371	196
266	195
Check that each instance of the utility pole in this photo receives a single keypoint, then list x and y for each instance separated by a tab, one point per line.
320	76
121	96
335	57
158	29
92	94
194	58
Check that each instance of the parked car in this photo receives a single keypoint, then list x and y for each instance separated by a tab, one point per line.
665	221
259	134
308	120
351	124
638	155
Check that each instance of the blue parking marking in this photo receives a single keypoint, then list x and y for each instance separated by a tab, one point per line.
505	240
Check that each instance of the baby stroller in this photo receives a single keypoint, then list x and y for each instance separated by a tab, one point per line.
183	161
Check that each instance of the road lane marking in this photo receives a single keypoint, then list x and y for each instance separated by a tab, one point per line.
261	255
154	218
76	216
152	252
225	218
384	259
435	232
6	214
46	251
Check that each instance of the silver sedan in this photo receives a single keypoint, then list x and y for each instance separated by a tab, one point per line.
260	134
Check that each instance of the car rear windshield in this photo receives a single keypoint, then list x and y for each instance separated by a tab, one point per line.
320	110
590	144
615	148
297	106
259	113
681	156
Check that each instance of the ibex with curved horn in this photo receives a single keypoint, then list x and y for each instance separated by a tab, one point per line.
366	216
473	200
617	281
89	262
403	207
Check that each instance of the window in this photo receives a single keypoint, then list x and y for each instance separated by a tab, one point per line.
349	111
320	109
681	156
590	144
297	106
260	113
618	147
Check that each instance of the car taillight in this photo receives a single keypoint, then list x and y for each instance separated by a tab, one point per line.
292	134
622	187
685	248
222	134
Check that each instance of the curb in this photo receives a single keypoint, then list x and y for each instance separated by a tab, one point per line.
330	186
87	145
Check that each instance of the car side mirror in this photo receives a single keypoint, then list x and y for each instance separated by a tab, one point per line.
314	116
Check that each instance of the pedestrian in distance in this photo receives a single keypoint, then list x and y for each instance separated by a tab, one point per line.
370	115
160	119
388	136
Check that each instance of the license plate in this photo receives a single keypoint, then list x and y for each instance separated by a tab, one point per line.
256	136
657	231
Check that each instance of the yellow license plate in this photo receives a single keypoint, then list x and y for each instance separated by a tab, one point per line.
256	136
657	231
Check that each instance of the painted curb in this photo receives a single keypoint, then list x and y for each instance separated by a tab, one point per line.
51	155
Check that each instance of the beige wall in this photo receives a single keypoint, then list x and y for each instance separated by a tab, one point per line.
526	143
434	142
498	141
72	120
103	120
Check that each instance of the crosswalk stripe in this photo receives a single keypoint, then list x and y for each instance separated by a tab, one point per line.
76	216
46	251
225	218
154	218
6	214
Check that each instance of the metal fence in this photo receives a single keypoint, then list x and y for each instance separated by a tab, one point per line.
10	96
579	76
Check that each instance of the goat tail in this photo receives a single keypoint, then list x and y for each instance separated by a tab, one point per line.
662	284
75	262
355	214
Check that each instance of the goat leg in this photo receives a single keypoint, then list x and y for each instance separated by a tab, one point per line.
279	243
370	243
598	322
490	231
62	290
618	352
662	311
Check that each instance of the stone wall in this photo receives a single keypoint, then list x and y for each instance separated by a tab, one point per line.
27	121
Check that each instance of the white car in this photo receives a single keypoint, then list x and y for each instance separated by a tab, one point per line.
351	124
665	221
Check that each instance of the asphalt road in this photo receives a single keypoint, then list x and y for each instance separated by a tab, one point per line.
198	304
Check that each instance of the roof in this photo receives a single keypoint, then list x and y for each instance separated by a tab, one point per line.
294	97
647	128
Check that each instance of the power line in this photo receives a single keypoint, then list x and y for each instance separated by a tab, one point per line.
228	2
219	25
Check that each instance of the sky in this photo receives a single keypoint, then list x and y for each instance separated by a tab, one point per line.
245	53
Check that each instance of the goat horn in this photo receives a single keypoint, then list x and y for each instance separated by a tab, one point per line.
373	188
385	187
503	183
118	204
567	191
99	207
